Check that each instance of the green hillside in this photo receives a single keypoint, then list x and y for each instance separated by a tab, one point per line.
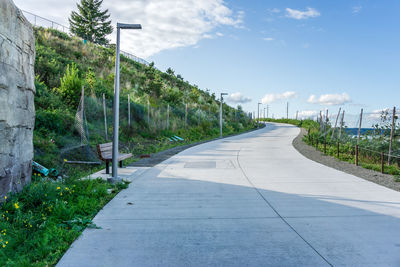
64	64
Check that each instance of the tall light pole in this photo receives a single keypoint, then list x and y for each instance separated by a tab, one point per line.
287	110
258	115
120	26
220	114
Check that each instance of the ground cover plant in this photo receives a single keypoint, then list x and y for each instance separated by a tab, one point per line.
38	224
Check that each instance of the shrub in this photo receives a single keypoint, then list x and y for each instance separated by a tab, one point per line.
71	85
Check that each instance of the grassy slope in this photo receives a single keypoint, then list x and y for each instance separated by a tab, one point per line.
56	103
38	224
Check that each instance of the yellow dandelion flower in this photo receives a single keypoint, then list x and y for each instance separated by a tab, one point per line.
58	188
6	242
4	246
65	160
5	197
16	205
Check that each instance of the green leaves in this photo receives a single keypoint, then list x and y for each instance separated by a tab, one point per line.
71	85
79	224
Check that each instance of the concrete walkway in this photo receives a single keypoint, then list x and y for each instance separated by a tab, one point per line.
248	200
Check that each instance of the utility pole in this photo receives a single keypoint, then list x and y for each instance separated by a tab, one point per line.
258	115
297	115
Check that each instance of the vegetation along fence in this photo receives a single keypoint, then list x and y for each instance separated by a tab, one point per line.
369	139
154	105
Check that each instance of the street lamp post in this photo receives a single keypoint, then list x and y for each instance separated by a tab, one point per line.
258	115
120	26
220	114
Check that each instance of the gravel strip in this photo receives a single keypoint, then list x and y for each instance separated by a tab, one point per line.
370	175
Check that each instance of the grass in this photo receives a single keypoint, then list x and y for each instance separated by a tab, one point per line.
39	224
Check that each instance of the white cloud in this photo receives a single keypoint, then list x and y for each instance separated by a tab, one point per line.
269	98
268	39
274	10
330	99
298	14
167	24
357	9
219	34
238	98
308	114
376	114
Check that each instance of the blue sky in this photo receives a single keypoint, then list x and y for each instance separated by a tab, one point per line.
314	54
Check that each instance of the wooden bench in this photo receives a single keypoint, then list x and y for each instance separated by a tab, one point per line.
105	154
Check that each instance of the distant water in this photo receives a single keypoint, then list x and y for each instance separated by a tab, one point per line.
354	131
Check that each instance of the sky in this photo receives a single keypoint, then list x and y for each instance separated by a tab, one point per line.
314	54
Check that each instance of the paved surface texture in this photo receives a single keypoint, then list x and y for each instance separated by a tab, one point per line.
248	200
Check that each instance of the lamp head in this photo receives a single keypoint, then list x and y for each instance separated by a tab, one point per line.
129	26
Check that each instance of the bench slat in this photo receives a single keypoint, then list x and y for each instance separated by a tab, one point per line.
105	152
105	146
120	157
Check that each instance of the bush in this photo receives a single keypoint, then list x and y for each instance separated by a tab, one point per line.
71	85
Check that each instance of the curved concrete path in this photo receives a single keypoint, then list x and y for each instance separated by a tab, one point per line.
248	200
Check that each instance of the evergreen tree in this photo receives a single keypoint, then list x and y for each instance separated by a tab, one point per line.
90	23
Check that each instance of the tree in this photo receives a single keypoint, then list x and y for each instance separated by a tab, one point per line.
90	23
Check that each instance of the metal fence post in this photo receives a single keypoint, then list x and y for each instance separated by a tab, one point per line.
129	111
168	117
359	127
338	149
391	134
105	116
356	155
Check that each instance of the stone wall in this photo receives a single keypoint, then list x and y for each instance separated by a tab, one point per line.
17	89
